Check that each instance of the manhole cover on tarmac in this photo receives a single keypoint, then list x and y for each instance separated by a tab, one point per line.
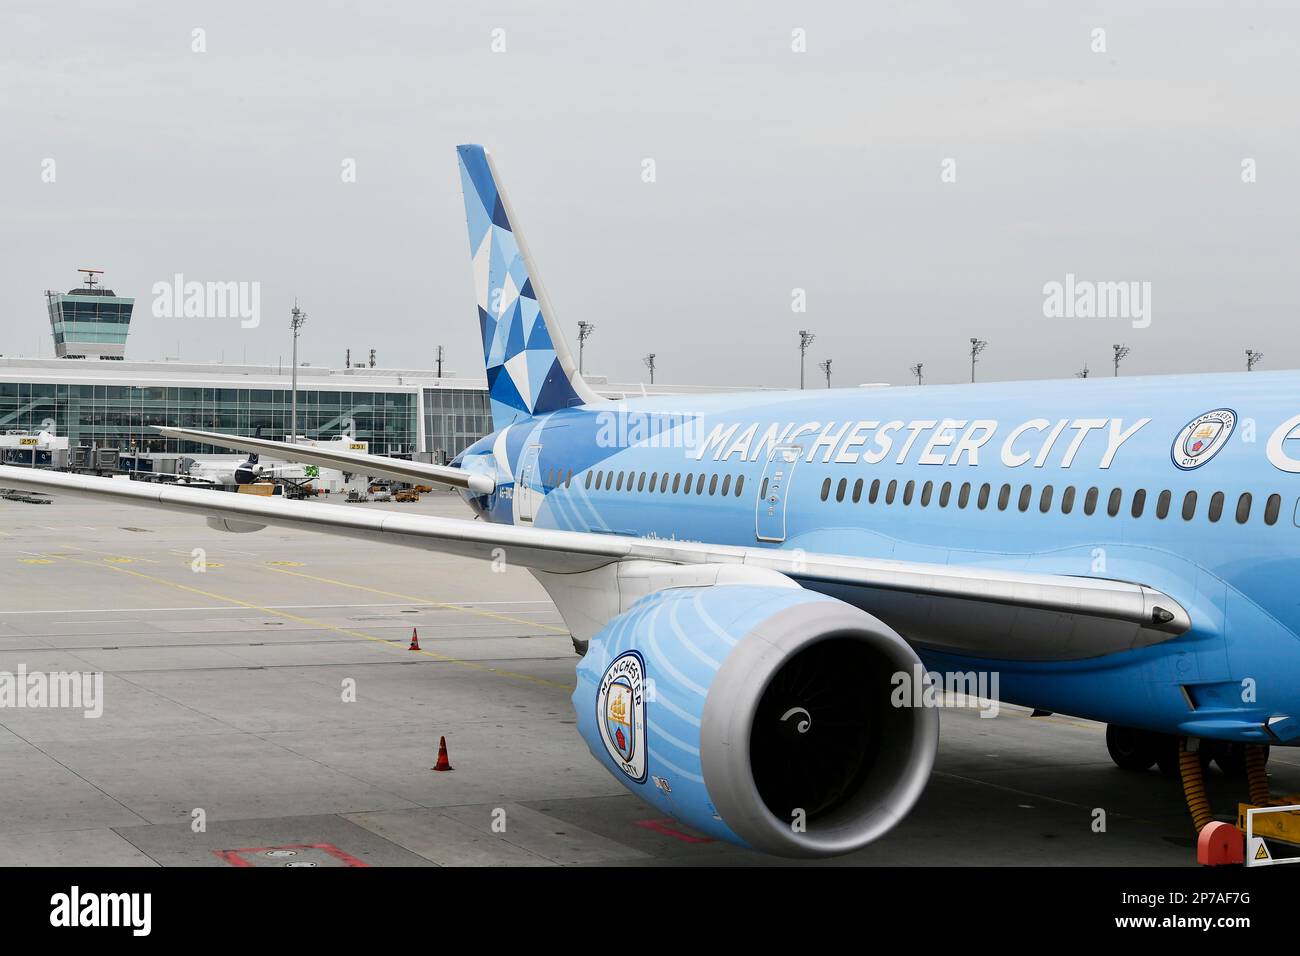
291	854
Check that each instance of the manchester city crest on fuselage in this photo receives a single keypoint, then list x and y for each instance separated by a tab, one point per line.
620	714
1202	438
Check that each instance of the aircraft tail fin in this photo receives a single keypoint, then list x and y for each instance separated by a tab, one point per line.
529	368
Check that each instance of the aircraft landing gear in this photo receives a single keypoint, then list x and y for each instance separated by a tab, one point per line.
1188	760
1137	750
1132	749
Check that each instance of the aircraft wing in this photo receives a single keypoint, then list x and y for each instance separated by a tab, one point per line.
983	612
329	457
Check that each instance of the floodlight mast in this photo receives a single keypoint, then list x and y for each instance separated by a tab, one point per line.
805	339
585	329
1121	353
296	319
976	347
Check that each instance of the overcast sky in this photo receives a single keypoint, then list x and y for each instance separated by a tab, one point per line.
775	170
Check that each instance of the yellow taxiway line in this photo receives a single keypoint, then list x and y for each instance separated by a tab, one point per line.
474	665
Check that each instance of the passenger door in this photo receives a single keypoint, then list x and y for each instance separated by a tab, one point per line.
773	491
528	486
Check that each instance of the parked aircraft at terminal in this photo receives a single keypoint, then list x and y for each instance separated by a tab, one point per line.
753	577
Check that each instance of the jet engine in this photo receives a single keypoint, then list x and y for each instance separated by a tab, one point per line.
760	715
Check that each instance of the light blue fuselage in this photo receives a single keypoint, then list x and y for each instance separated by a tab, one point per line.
1233	672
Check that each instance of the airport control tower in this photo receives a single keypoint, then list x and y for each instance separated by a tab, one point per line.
89	322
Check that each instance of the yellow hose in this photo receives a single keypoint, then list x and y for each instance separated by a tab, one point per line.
1189	765
1256	777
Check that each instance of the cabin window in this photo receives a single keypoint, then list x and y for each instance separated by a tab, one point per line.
1139	502
907	492
713	484
963	496
618	485
944	494
926	490
1162	504
690	480
1004	497
1090	501
588	479
1067	500
1189	506
740	483
1271	509
1116	499
609	479
826	489
654	481
1045	499
890	490
1243	508
699	484
1216	506
857	491
568	481
983	500
841	488
1026	493
726	485
875	490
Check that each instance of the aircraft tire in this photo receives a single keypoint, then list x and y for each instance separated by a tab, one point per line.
1131	749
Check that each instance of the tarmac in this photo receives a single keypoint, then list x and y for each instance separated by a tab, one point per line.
261	708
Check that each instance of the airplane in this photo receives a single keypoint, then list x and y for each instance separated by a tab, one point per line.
751	578
215	474
197	471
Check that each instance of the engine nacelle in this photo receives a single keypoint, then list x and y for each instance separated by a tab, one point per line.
759	715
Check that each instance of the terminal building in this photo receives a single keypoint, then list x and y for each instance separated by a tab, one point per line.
100	405
398	412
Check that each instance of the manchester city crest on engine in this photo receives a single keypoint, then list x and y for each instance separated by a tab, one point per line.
1202	438
620	714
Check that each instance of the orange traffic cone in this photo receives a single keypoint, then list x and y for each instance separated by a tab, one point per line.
415	640
443	763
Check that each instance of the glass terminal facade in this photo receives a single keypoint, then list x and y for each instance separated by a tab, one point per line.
455	418
120	415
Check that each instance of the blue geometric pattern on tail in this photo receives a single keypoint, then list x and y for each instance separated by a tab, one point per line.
524	374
